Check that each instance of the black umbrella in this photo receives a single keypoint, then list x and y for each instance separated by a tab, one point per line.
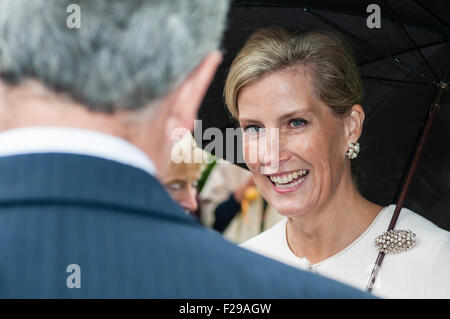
403	65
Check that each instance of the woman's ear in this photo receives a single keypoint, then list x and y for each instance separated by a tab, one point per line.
354	123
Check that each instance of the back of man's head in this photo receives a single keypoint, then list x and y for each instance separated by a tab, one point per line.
123	55
133	57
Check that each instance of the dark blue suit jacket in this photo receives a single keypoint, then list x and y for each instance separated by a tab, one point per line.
128	237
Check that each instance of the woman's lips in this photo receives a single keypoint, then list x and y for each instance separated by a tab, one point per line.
290	186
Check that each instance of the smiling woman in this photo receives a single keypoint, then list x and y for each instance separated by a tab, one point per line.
301	92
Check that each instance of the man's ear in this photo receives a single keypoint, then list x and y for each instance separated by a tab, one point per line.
185	100
354	123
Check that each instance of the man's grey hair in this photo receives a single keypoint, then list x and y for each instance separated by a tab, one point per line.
124	55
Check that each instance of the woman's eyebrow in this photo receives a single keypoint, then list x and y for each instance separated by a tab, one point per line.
295	113
247	120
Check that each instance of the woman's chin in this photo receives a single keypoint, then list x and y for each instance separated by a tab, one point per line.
288	207
287	202
290	211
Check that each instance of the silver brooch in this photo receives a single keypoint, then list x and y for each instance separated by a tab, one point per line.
395	241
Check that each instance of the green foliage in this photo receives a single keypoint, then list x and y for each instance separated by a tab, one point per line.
212	160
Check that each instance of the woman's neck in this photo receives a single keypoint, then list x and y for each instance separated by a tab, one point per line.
331	227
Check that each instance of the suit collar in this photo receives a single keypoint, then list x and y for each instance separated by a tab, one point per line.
83	180
42	139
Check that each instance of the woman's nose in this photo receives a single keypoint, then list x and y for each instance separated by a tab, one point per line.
269	147
269	158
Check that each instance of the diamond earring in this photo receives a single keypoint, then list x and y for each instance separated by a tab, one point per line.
353	151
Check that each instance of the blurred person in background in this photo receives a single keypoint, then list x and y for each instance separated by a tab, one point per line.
181	176
86	117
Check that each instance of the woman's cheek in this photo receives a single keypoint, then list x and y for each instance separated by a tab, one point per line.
299	145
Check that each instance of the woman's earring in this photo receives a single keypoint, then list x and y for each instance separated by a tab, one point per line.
353	151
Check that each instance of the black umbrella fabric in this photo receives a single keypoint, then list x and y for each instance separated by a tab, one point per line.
402	64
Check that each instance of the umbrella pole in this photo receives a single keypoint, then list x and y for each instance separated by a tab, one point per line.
435	105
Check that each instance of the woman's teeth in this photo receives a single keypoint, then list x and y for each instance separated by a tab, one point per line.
289	180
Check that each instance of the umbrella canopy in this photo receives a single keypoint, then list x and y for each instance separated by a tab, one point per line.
401	65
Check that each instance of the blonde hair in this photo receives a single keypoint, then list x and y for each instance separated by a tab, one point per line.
327	57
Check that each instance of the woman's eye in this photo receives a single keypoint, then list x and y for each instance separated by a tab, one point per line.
297	122
253	129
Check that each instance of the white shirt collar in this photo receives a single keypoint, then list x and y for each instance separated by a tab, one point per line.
73	141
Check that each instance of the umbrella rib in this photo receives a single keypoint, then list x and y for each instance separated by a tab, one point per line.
407	51
433	14
411	39
394	80
393	58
